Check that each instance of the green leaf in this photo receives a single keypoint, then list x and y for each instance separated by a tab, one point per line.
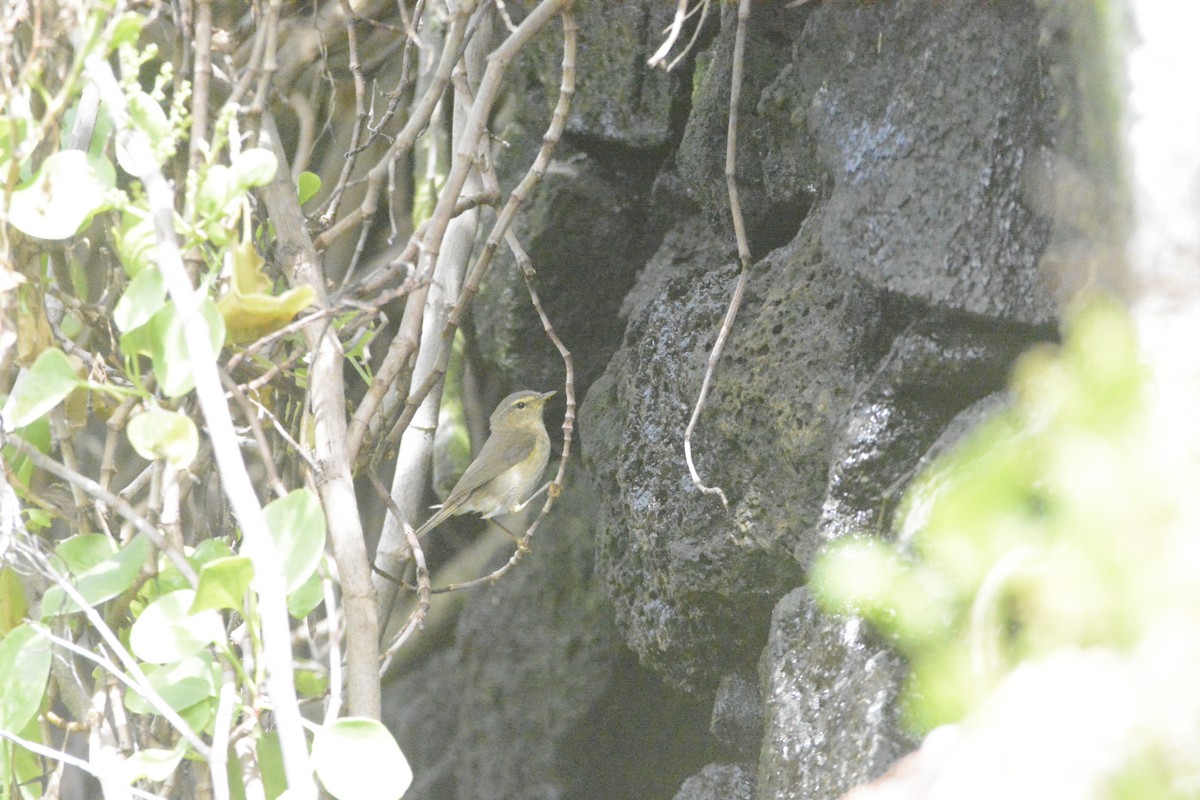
136	243
169	435
181	685
210	550
270	764
149	116
166	632
308	596
308	185
142	299
125	29
85	551
357	758
223	583
13	603
296	524
310	683
253	167
45	385
24	668
69	188
215	197
172	359
106	580
154	763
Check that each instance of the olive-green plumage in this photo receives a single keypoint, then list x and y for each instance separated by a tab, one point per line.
508	468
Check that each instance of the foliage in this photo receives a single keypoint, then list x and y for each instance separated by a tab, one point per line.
1063	523
161	276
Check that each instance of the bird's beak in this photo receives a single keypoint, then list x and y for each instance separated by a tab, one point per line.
546	396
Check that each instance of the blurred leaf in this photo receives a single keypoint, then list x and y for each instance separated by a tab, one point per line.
126	29
13	603
181	685
142	299
85	551
69	188
210	550
270	763
357	759
136	243
307	596
34	335
310	683
253	167
104	581
170	435
223	583
296	524
216	197
154	763
45	385
172	359
24	668
166	632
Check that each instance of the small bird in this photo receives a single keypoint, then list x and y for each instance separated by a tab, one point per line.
503	477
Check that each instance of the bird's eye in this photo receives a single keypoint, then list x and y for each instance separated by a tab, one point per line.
521	404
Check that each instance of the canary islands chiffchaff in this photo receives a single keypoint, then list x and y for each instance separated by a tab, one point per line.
507	470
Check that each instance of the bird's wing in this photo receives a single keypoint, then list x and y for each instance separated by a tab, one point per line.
495	457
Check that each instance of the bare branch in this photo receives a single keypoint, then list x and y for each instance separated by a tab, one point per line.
739	229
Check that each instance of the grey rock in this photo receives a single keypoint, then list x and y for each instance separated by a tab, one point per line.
719	782
831	704
692	585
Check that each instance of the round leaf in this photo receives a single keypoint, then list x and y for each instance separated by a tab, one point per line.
307	186
155	763
223	583
253	167
85	551
142	299
24	667
69	188
48	381
172	359
166	632
106	580
181	685
301	602
358	758
297	527
158	433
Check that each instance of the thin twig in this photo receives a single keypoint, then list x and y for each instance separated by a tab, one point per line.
70	760
739	229
676	27
417	121
99	493
501	227
412	40
264	448
568	425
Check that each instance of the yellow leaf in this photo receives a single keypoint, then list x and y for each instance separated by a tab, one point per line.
249	311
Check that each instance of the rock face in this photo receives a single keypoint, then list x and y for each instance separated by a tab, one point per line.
882	162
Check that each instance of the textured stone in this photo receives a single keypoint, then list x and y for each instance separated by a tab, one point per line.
831	704
692	585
